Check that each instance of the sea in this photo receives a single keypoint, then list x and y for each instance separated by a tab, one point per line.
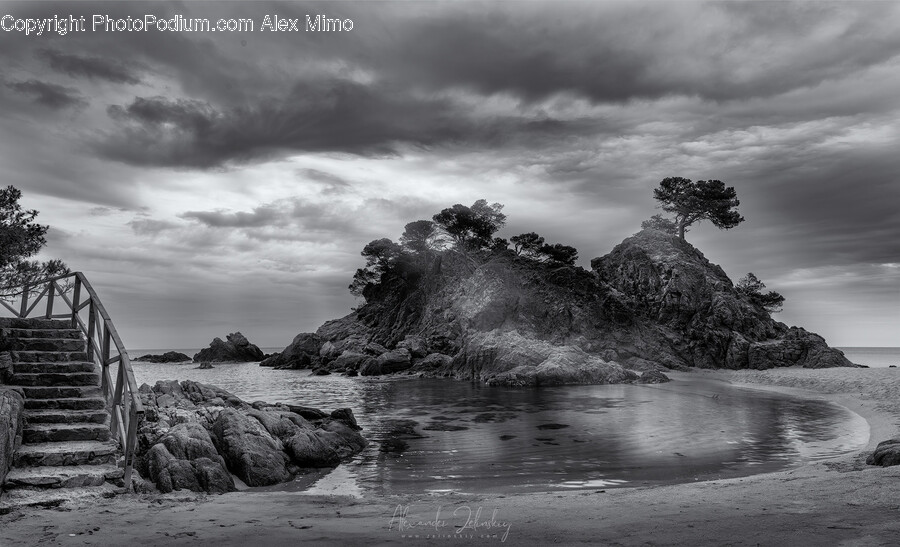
438	436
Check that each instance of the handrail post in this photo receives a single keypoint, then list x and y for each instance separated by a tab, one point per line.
91	331
104	358
130	443
76	301
51	290
25	290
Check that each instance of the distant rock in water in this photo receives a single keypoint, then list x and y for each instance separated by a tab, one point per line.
237	349
194	436
167	357
205	365
654	303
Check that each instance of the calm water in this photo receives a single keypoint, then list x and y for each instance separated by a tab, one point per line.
444	435
873	357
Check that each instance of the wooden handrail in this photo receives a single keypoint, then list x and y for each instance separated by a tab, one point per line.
122	398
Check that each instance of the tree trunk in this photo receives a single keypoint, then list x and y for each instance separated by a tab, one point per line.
681	230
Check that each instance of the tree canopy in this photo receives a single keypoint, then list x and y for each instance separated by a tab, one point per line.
471	228
20	239
751	288
660	223
695	201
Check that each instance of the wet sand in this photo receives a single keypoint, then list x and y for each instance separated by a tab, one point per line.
840	501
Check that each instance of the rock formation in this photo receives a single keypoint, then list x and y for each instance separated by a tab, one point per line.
886	454
653	303
12	407
237	349
167	357
195	436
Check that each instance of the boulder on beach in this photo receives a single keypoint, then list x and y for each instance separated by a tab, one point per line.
167	357
236	349
195	436
886	454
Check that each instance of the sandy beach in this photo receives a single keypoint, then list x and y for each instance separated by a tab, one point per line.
841	501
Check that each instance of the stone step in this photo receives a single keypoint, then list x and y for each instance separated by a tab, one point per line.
66	476
59	416
66	453
46	344
34	323
47	356
68	334
59	366
18	498
48	379
60	392
57	432
73	403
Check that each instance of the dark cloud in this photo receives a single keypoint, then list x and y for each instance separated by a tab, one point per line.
611	52
150	227
50	95
95	68
332	184
334	116
265	215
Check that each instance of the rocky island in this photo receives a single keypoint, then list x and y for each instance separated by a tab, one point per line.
235	349
167	357
528	317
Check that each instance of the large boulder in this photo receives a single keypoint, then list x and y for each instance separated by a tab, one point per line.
195	436
886	454
186	458
391	361
12	407
511	359
251	452
236	349
301	353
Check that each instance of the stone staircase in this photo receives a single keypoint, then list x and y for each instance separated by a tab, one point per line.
66	449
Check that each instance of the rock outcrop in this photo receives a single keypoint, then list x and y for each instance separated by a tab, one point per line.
167	357
886	454
236	349
196	436
12	407
654	303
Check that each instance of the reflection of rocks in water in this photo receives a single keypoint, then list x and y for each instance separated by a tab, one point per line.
442	418
507	437
393	446
441	426
492	417
552	426
397	432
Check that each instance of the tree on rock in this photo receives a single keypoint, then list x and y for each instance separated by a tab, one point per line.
527	244
420	236
563	255
751	287
471	228
20	239
661	224
382	256
695	201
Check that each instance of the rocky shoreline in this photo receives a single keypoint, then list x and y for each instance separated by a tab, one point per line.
202	438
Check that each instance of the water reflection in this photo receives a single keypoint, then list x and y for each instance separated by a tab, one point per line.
442	435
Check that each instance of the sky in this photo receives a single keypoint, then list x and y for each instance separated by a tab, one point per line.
212	182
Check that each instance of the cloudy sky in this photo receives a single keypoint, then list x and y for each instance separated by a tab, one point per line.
221	181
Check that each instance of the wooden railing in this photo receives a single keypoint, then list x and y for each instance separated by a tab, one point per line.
122	399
